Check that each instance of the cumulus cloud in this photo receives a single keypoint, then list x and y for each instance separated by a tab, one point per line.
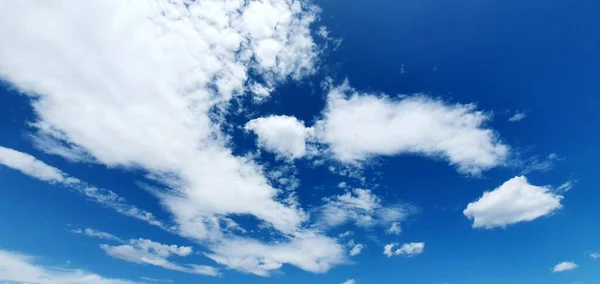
97	234
564	266
145	85
361	207
357	126
408	249
16	267
283	135
145	251
35	168
349	281
514	201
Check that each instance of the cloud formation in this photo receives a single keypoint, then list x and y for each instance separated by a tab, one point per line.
564	266
513	202
408	249
283	135
35	168
145	251
145	86
16	267
357	126
97	234
362	208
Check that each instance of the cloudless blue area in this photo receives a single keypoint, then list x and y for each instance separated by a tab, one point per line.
537	56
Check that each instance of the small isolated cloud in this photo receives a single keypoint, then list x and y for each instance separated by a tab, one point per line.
355	249
537	164
283	135
361	207
564	266
514	201
357	126
566	186
156	280
18	268
595	255
349	281
395	229
408	249
97	234
145	251
518	116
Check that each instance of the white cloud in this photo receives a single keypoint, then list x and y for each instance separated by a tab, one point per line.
514	201
308	251
97	234
358	126
564	266
145	251
149	279
356	249
144	85
537	164
31	166
408	249
595	255
35	168
283	135
361	207
349	281
518	116
346	234
15	267
566	186
395	229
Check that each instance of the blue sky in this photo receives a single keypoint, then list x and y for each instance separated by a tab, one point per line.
291	141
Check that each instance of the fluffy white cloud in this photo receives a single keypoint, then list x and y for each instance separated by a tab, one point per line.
35	168
349	281
149	252
564	266
283	135
514	201
97	234
15	267
144	85
361	207
408	249
357	126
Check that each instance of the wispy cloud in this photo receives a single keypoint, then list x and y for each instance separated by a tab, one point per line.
16	267
564	266
97	234
29	165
